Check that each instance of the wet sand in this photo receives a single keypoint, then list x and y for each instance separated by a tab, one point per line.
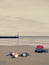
33	59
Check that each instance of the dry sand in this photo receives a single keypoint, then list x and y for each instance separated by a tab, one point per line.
33	59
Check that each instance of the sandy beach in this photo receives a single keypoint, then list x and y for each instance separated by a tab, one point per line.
33	59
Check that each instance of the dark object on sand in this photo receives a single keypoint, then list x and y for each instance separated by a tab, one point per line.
45	50
9	54
39	50
25	54
12	54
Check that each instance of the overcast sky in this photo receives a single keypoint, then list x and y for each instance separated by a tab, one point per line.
24	16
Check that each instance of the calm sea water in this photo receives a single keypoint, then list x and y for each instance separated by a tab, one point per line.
26	40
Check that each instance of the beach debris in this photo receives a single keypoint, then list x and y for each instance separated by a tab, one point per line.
13	54
41	49
9	54
25	54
